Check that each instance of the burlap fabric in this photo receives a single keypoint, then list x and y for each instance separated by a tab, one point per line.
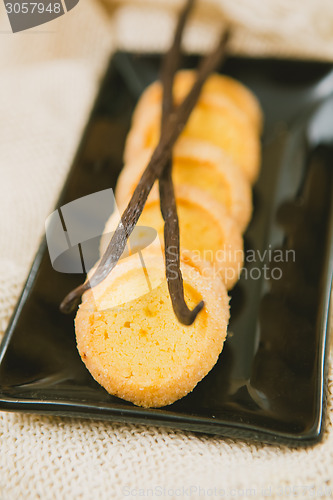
49	77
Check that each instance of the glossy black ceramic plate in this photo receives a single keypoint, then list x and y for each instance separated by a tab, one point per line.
269	383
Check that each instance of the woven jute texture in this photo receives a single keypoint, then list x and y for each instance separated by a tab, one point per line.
49	76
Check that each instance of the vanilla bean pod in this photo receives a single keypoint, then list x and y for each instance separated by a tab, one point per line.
161	155
171	62
167	195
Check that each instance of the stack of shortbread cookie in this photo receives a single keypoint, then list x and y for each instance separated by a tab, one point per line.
127	333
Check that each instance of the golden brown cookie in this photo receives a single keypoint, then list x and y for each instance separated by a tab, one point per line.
132	343
202	165
216	89
223	126
206	230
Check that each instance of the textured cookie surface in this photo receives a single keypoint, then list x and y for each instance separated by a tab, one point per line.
133	345
200	164
216	118
206	230
226	128
216	90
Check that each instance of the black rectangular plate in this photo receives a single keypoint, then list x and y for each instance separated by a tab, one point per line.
269	383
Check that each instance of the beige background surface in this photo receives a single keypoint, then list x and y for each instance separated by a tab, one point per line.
49	76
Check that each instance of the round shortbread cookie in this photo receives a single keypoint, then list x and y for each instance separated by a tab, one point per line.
223	126
135	347
216	90
200	164
206	230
